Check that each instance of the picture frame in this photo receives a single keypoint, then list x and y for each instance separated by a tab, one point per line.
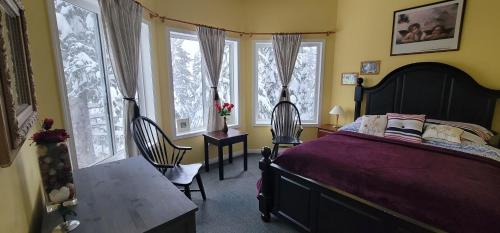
18	108
429	28
349	78
370	67
183	125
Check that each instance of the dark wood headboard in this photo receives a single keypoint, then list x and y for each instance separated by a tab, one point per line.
438	90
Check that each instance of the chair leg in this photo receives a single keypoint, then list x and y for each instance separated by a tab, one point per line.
274	153
200	185
187	191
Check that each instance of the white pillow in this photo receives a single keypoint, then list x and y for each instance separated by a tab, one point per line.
373	125
442	132
471	132
470	128
466	136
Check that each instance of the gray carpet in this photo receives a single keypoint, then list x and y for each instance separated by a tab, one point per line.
231	204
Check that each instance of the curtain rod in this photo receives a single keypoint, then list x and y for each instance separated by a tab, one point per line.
153	14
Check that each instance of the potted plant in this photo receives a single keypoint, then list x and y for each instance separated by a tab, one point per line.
224	110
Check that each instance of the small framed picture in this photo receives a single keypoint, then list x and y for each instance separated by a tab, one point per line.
183	125
349	78
370	67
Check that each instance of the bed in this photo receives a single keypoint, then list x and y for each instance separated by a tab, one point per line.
348	182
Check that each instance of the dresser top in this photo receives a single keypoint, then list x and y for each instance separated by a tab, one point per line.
124	196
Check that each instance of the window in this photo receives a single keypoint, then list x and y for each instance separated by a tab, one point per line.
94	102
145	85
190	85
304	88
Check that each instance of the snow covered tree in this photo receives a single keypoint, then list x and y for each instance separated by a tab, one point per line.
186	70
302	87
86	88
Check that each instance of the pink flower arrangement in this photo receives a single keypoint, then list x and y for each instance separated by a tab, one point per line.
224	109
48	135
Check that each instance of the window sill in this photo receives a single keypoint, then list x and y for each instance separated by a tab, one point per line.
196	133
304	125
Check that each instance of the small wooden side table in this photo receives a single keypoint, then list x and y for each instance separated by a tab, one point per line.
326	129
220	139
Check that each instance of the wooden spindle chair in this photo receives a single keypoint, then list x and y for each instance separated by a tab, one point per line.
286	126
155	146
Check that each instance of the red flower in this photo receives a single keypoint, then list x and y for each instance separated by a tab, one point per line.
47	123
50	136
226	104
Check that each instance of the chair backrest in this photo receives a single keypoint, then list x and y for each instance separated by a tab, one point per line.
285	120
154	144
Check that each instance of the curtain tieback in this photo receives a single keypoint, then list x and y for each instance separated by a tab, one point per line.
216	96
283	92
137	112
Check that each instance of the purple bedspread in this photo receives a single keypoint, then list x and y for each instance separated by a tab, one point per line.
450	190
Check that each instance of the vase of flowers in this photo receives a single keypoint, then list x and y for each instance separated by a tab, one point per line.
55	165
224	110
57	174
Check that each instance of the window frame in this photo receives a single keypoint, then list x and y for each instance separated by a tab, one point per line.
142	82
235	91
320	76
92	6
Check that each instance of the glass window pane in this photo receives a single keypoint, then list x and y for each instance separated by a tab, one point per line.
191	86
85	83
304	87
268	83
226	84
117	113
145	84
187	83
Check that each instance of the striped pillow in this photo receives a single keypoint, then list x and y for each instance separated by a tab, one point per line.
467	127
405	127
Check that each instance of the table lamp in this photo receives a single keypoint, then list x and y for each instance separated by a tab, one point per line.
336	110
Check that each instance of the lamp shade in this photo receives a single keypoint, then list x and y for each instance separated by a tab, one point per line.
336	110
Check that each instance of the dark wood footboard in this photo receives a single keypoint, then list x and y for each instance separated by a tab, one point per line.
314	207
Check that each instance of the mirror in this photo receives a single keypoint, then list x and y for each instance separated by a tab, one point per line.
18	95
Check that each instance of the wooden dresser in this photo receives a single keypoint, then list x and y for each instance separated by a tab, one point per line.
326	129
127	196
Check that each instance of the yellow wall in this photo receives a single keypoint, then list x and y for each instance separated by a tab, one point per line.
257	16
364	33
20	183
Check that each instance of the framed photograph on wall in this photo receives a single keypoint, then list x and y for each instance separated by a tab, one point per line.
429	28
370	67
349	78
183	125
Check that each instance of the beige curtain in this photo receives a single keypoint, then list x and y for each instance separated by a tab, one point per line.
286	48
122	29
212	42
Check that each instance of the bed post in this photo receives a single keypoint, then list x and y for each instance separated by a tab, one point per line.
358	98
266	186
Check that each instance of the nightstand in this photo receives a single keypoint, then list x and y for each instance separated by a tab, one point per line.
326	129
